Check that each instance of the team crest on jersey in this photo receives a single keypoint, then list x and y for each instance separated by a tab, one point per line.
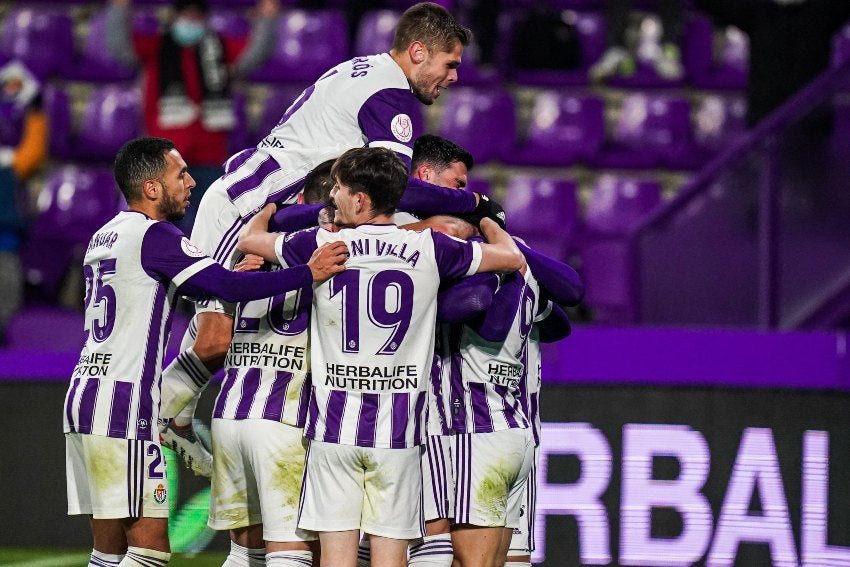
190	249
402	127
160	494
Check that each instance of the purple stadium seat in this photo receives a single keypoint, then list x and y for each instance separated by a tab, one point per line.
309	43
646	52
240	135
483	121
564	129
720	120
616	206
715	59
71	206
57	106
278	100
229	23
649	131
94	63
591	30
375	32
112	116
42	39
543	212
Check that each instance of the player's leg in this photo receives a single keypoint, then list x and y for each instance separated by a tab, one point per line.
247	548
435	549
333	473
490	471
392	506
234	495
277	452
122	485
522	538
339	549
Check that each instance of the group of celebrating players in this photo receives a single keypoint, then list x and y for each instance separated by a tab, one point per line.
381	377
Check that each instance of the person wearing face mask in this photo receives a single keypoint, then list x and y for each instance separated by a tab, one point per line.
188	70
23	148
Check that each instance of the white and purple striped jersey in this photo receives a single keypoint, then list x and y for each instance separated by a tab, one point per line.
530	387
267	364
364	101
482	381
133	267
373	328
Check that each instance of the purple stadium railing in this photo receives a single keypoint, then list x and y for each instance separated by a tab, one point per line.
758	237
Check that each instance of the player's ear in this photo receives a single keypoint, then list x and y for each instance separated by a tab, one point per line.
151	189
417	51
423	172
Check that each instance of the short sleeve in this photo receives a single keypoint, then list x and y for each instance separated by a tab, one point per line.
385	120
168	254
295	248
455	258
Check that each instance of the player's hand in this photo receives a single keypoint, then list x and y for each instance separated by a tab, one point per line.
486	209
250	263
328	260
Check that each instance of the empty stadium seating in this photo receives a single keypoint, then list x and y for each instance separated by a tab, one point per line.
565	129
42	39
616	206
481	120
93	62
309	43
74	202
650	131
543	212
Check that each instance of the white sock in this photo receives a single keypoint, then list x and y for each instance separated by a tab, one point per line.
364	554
434	551
244	556
141	557
289	559
181	382
100	559
510	563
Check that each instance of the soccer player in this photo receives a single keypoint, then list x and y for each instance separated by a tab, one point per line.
135	267
258	420
373	340
367	101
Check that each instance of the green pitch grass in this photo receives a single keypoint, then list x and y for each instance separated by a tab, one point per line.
10	557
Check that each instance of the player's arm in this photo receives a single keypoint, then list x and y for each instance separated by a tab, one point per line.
466	298
295	217
553	323
500	253
496	323
446	224
423	197
255	238
559	279
168	254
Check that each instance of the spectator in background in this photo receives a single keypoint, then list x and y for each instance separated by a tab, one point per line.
666	56
188	70
790	44
23	148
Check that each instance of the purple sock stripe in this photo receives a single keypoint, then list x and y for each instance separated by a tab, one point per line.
255	179
187	363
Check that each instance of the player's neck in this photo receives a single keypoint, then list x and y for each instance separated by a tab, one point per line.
373	219
403	61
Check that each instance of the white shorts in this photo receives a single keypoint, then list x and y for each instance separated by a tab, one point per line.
258	468
111	478
378	491
216	230
522	541
490	471
437	482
